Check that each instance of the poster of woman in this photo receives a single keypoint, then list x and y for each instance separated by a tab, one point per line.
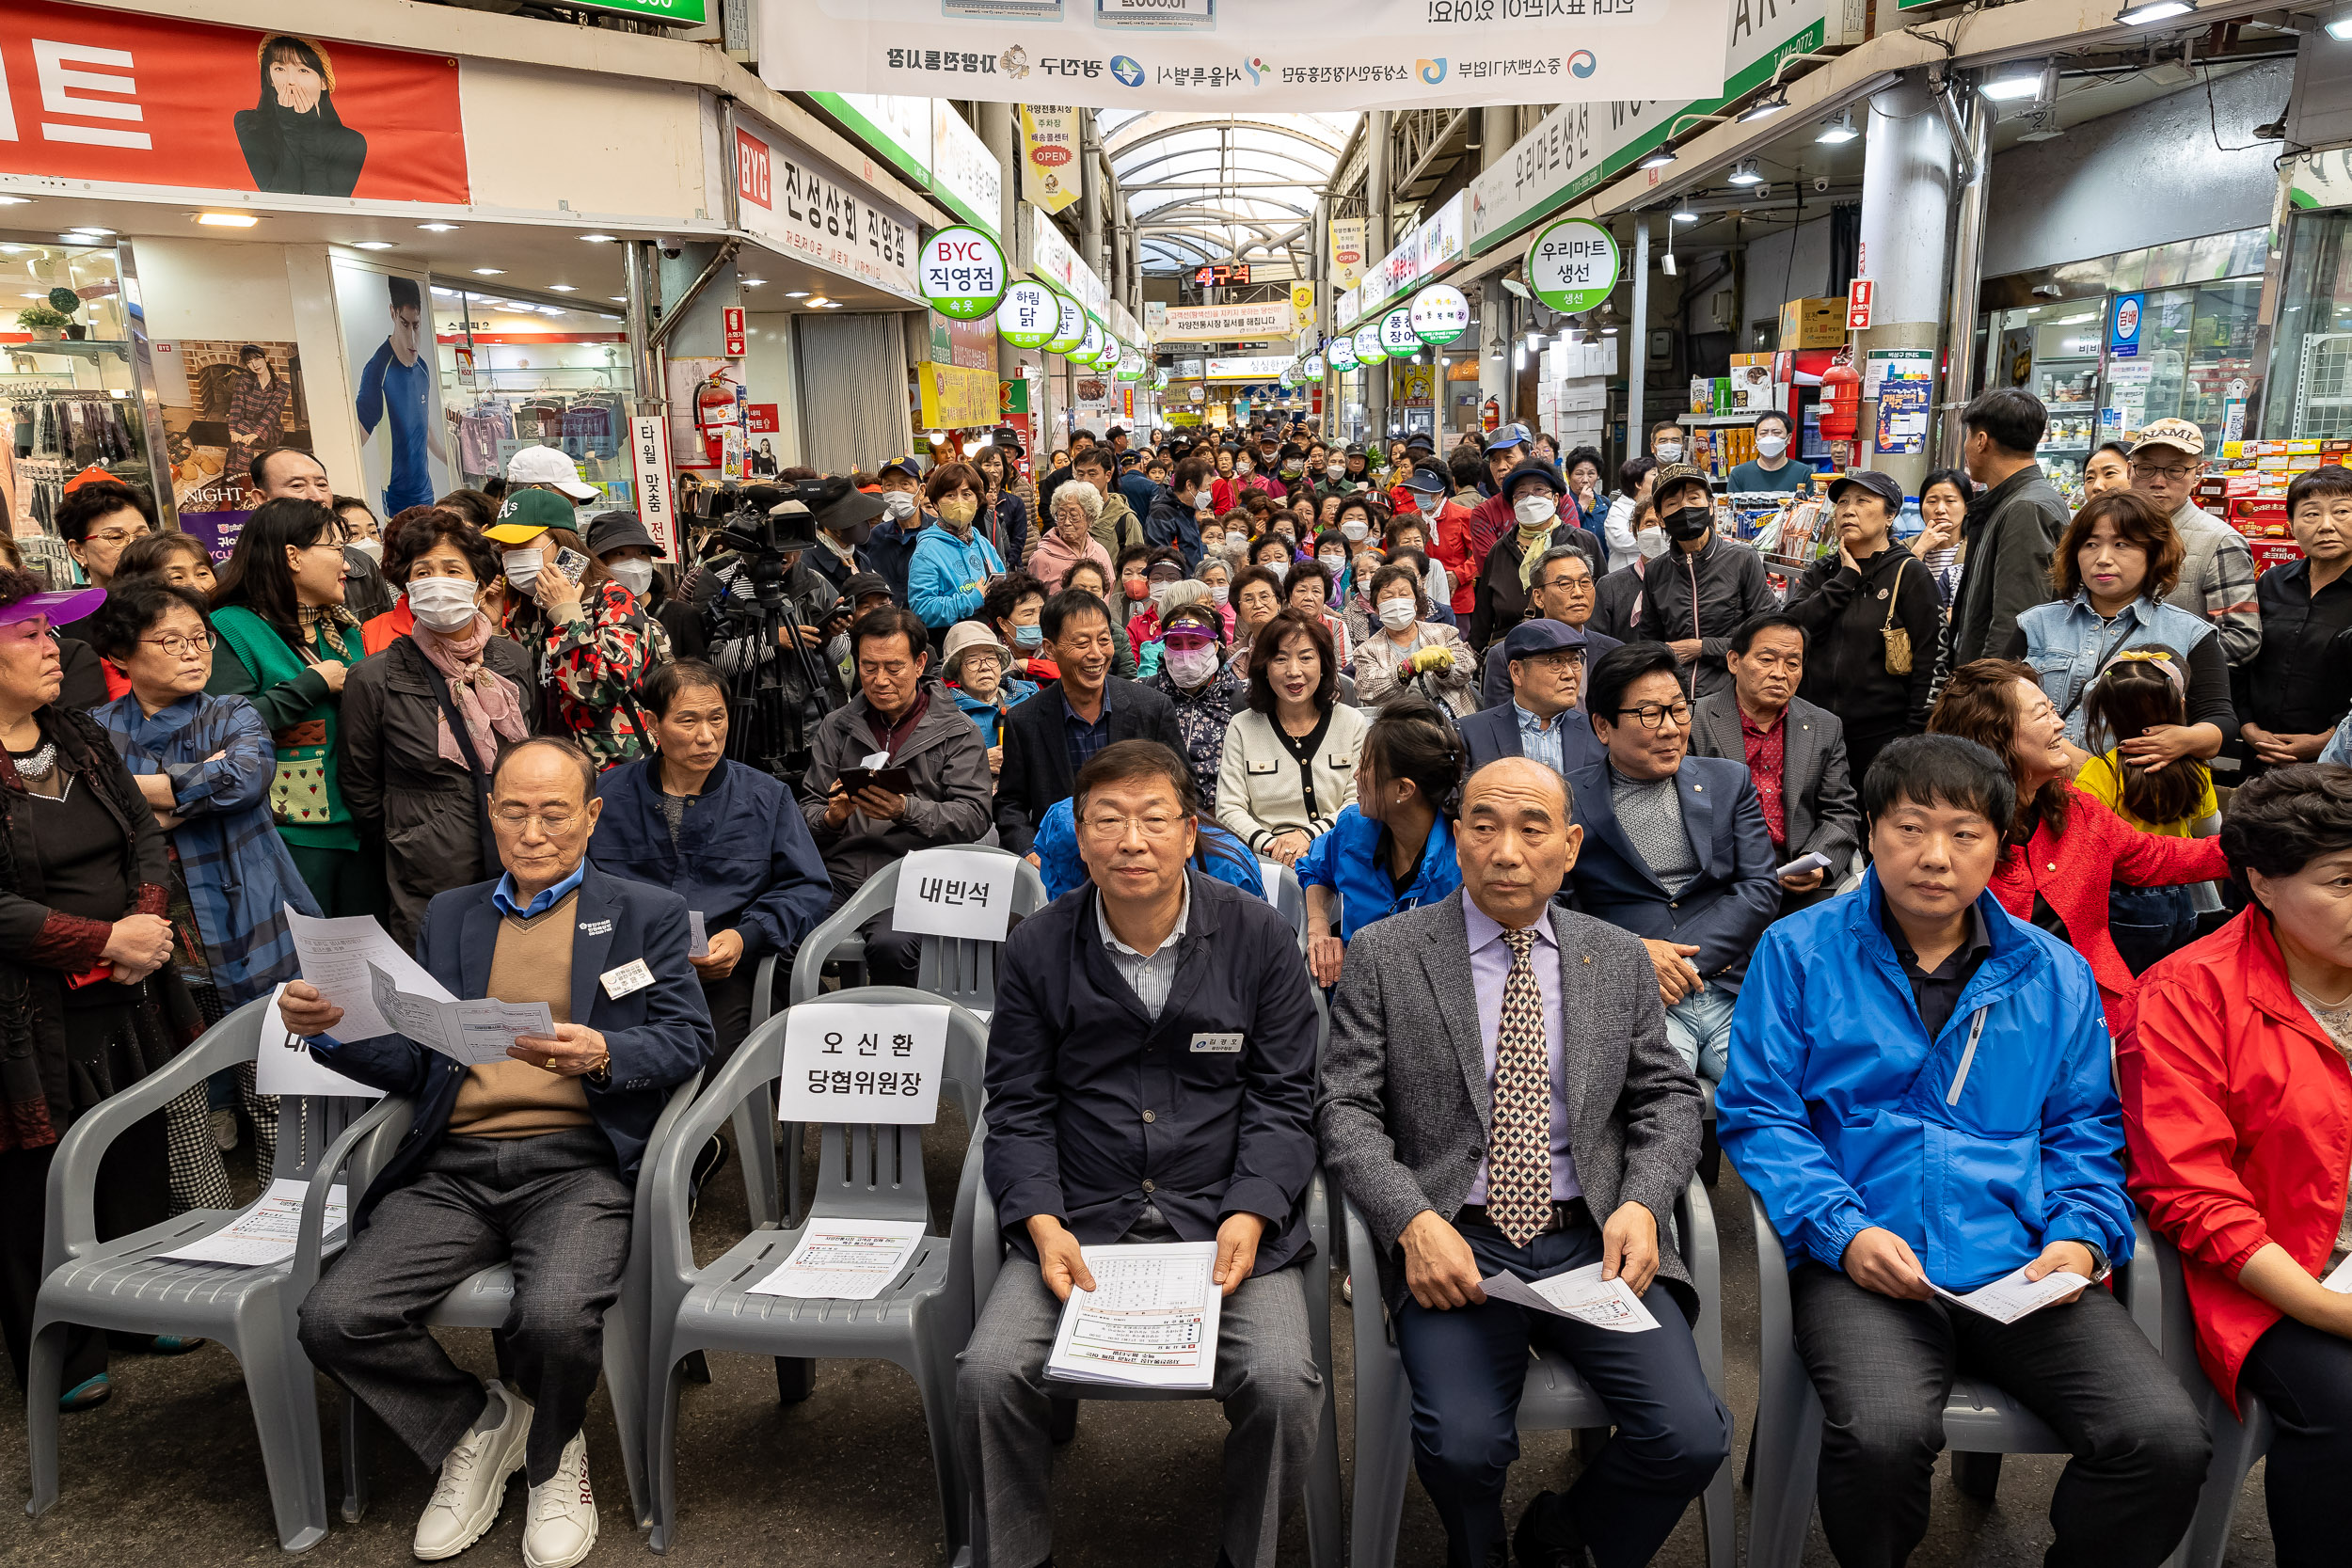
293	139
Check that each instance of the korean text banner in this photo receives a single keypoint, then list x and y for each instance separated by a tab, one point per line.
130	99
1247	55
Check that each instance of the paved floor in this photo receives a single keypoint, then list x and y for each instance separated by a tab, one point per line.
168	1473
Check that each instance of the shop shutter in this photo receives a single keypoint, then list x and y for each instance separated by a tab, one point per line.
853	390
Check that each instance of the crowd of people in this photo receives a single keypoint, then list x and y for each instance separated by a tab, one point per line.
1594	826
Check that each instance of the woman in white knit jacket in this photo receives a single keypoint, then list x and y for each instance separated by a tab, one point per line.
1289	765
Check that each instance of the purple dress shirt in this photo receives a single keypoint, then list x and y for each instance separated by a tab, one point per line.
1490	966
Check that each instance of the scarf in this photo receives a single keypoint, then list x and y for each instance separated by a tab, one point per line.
490	705
326	621
1532	538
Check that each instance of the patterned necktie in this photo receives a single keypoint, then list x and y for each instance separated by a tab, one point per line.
1518	1163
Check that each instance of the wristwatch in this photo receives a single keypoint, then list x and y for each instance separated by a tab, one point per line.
2100	1267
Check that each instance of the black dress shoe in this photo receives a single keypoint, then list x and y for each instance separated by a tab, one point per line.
1544	1539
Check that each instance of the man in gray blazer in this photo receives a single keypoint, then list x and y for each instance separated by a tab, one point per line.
1794	751
1479	1131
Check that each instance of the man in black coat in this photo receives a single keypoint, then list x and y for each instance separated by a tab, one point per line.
1704	589
1050	736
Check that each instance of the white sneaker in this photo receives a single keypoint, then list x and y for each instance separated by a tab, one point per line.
473	1480
562	1522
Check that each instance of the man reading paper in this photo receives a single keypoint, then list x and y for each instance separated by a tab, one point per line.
532	1160
1151	1079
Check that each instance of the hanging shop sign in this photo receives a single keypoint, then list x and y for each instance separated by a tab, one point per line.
661	13
1398	339
118	98
1052	259
1220	323
1314	366
2123	324
1091	347
1302	306
1243	56
1342	353
962	273
1049	149
649	459
1028	316
1069	325
1367	344
1264	366
1572	264
1347	252
955	397
804	206
1440	313
1438	240
1131	364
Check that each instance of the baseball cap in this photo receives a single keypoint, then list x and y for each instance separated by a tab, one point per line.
546	466
861	583
906	465
528	513
1420	441
1426	479
1543	636
616	531
1885	486
2182	435
1509	435
1668	475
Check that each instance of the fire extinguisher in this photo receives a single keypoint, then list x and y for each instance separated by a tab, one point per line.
1841	407
1490	417
715	408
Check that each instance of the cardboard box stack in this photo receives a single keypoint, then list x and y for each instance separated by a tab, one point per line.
2246	488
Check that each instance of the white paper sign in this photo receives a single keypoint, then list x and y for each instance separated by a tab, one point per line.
848	1062
1579	1293
843	1259
955	892
285	1066
336	957
2339	1279
2014	1296
266	1233
1270	874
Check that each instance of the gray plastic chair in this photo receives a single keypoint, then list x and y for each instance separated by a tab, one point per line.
123	1286
485	1299
1981	1423
1290	899
2152	1288
1555	1399
871	1172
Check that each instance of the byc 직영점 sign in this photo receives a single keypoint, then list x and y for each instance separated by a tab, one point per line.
962	273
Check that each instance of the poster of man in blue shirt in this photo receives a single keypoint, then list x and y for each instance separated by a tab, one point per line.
396	393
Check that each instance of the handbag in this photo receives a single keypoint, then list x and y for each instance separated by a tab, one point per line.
1897	639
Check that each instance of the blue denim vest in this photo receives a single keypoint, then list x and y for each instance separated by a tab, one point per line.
2065	642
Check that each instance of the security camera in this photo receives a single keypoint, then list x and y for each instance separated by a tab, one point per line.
1820	184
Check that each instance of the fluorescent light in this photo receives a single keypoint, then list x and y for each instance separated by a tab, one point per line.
2155	10
818	299
227	220
2010	89
15	200
1839	130
371	244
489	272
563	287
600	239
90	229
1686	217
618	299
1744	173
1659	158
43	295
795	293
751	282
439	228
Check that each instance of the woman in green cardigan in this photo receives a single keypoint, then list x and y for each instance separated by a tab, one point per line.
279	612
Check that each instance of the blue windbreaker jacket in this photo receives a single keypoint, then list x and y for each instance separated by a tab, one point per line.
1977	1148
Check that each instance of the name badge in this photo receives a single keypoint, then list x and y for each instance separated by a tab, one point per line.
632	975
1226	1044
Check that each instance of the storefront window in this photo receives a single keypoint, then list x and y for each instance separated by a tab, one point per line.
517	375
2311	347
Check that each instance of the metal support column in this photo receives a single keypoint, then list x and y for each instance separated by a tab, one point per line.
1960	315
1090	194
997	130
1635	339
1377	201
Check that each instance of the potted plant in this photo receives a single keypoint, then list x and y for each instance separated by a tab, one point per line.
65	301
44	322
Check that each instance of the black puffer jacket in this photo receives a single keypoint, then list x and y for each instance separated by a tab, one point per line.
1726	582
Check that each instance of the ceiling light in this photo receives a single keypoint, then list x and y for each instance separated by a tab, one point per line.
1839	130
1659	157
2155	10
489	272
1744	173
439	228
1765	107
600	239
818	299
227	220
2008	89
795	293
832	305
618	299
563	287
90	229
14	200
371	244
43	295
750	282
1686	217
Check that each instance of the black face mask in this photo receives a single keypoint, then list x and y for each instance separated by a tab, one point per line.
1687	523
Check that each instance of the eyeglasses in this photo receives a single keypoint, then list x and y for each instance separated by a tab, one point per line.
1109	826
2174	474
180	647
516	819
1653	716
115	536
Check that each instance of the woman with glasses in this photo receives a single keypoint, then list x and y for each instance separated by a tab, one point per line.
288	644
1289	764
1205	688
203	763
1404	652
424	720
89	1000
1004	516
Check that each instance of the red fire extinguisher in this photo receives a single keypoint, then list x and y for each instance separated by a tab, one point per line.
1841	407
714	410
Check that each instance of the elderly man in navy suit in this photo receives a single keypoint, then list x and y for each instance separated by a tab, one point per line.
1675	848
531	1160
1542	720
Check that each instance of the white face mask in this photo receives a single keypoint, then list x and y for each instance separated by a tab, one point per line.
1669	451
372	548
1190	667
1653	542
444	603
1771	446
1396	615
1336	562
1354	529
898	506
1335	470
1279	568
635	576
1218	593
522	567
1531	510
